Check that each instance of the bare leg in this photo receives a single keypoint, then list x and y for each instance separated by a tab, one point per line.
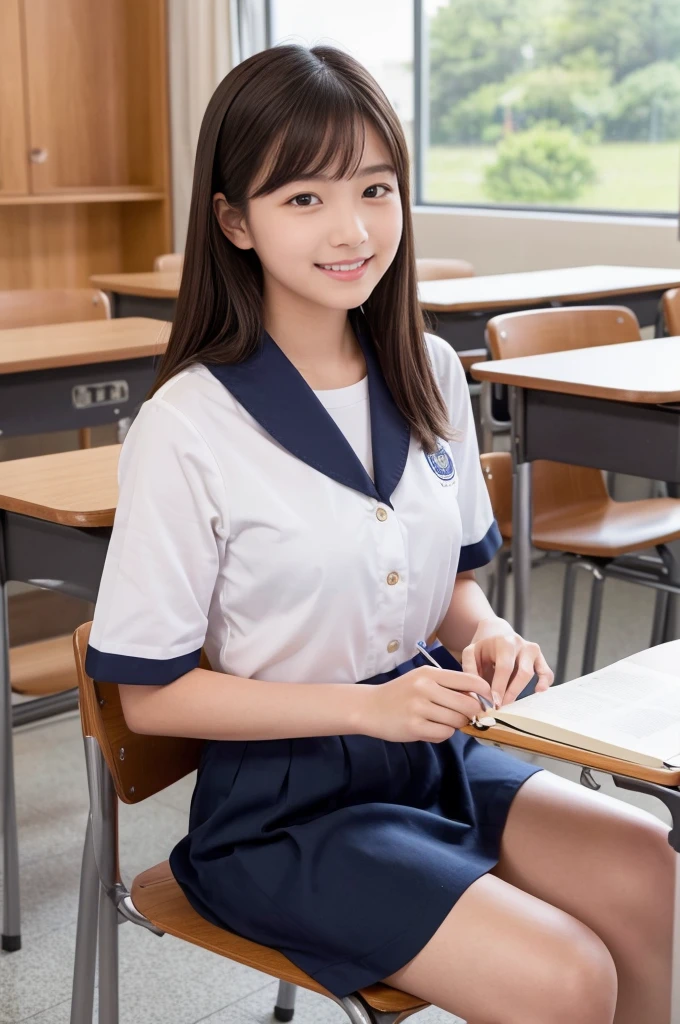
609	865
502	956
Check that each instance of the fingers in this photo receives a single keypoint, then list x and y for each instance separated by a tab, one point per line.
530	662
465	680
451	703
504	666
469	660
546	676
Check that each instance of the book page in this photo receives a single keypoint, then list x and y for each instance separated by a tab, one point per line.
625	704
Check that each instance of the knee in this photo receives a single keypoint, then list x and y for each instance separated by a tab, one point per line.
576	979
643	876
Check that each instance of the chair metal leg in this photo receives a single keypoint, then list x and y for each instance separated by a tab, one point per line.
502	564
82	997
670	553
285	1001
659	620
108	959
11	909
593	628
359	1013
104	811
568	589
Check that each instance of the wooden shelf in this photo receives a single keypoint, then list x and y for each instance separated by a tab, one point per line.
114	195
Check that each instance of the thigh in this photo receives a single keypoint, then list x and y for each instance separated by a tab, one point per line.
503	954
586	852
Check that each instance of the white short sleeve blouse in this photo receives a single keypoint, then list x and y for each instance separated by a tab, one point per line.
248	525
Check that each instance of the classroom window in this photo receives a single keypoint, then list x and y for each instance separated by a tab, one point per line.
557	104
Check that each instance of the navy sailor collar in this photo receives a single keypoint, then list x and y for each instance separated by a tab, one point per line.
276	394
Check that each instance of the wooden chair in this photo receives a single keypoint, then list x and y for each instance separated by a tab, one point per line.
572	511
127	766
441	269
33	307
671	311
169	261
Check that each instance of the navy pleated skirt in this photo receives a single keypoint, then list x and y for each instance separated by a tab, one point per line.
345	853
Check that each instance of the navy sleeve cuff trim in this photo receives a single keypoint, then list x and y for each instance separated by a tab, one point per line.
472	556
118	668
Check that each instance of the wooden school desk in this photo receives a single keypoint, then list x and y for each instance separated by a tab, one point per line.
56	513
463	306
150	294
614	407
72	375
662	783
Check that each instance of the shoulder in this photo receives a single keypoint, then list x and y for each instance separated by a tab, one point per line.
172	425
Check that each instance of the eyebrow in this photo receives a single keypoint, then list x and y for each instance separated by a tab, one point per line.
363	172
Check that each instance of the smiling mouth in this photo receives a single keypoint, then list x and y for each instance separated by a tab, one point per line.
344	266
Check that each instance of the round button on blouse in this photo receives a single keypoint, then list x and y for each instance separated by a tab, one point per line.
381	514
393	578
393	646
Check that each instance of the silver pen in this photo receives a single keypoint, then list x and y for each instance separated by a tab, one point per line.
484	701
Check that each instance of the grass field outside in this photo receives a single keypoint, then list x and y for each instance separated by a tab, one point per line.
630	176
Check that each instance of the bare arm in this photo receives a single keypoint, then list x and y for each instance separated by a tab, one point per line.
216	706
467	609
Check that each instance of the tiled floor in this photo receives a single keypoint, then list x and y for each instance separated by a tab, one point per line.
164	981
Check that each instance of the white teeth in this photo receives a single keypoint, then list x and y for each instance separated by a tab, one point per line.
344	266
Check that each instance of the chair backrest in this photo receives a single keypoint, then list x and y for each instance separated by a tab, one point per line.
34	307
497	470
140	765
443	269
535	331
556	488
169	261
671	311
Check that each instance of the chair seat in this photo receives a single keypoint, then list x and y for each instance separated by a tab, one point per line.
157	896
607	528
43	667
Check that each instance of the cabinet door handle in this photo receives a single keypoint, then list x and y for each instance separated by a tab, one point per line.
38	156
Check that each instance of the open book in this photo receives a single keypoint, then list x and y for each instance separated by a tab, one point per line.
630	710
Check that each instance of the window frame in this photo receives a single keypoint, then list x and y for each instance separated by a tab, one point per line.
420	132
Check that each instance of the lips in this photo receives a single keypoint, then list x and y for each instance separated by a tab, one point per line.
354	269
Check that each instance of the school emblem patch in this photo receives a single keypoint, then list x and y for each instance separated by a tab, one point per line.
441	463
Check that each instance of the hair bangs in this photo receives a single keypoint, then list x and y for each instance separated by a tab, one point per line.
323	134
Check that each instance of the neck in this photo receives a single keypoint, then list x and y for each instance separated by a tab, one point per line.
318	340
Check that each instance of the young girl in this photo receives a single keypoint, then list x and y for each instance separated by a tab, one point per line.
302	498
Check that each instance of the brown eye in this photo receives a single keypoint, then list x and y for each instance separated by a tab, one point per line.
371	188
304	199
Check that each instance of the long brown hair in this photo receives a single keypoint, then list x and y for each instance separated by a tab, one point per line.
295	111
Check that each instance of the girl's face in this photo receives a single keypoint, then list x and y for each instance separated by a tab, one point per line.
305	228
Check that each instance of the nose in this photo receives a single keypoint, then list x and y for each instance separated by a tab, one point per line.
348	229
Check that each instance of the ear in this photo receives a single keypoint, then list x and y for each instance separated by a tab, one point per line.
231	222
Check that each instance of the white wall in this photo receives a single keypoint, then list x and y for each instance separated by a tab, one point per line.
502	241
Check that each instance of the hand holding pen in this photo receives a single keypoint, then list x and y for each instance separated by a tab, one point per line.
484	721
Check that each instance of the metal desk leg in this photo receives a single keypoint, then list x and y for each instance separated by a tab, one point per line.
11	918
521	513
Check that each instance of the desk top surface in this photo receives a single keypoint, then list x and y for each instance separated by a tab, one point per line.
154	284
76	344
568	284
78	488
637	371
663	658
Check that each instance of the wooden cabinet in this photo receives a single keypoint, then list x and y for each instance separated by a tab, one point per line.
84	147
13	166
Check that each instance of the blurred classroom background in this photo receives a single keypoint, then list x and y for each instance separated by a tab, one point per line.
545	143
